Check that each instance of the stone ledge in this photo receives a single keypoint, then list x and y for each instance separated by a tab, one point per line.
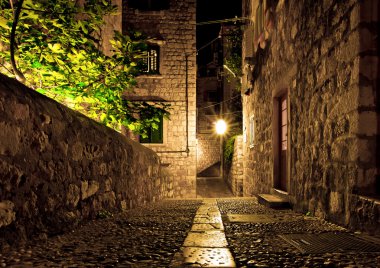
273	201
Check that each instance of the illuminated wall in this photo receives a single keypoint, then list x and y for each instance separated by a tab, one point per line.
321	57
170	26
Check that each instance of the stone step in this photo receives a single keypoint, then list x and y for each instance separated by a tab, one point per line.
273	201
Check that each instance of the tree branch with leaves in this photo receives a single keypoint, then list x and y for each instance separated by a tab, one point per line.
53	47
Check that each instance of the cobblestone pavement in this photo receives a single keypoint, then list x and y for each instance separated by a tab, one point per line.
153	235
147	237
259	245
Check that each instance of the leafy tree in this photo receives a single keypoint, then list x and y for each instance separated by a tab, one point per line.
233	60
54	47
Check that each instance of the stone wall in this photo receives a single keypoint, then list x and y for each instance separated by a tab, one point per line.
235	172
57	167
173	29
324	56
208	151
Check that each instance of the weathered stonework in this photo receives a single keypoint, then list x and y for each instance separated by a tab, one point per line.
58	167
208	153
324	55
235	174
173	29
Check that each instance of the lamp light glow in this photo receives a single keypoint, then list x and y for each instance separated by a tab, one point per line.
220	127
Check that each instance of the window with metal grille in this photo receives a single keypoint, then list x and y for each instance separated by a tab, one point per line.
152	60
149	5
154	134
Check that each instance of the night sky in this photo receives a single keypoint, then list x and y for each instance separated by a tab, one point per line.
209	10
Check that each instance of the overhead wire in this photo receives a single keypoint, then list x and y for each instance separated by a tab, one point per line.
211	105
235	112
218	22
221	21
209	43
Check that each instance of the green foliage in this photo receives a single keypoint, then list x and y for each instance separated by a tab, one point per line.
234	60
228	151
58	49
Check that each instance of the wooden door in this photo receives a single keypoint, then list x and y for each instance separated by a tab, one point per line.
283	138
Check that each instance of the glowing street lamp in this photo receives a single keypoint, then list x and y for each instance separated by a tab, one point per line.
220	127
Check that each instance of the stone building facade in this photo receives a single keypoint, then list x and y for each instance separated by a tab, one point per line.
311	106
171	78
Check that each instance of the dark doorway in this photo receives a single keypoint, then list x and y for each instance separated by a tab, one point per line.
281	142
283	127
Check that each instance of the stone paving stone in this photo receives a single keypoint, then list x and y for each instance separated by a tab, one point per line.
208	257
211	239
205	219
207	209
207	227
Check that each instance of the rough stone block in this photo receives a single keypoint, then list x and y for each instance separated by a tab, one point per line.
108	185
9	139
7	215
336	202
355	17
20	111
73	195
348	50
344	150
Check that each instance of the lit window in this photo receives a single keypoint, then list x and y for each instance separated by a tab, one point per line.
151	63
149	5
154	134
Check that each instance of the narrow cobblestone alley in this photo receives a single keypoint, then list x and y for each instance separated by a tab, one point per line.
199	233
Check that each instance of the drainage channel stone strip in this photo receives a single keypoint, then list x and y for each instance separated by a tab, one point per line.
206	244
